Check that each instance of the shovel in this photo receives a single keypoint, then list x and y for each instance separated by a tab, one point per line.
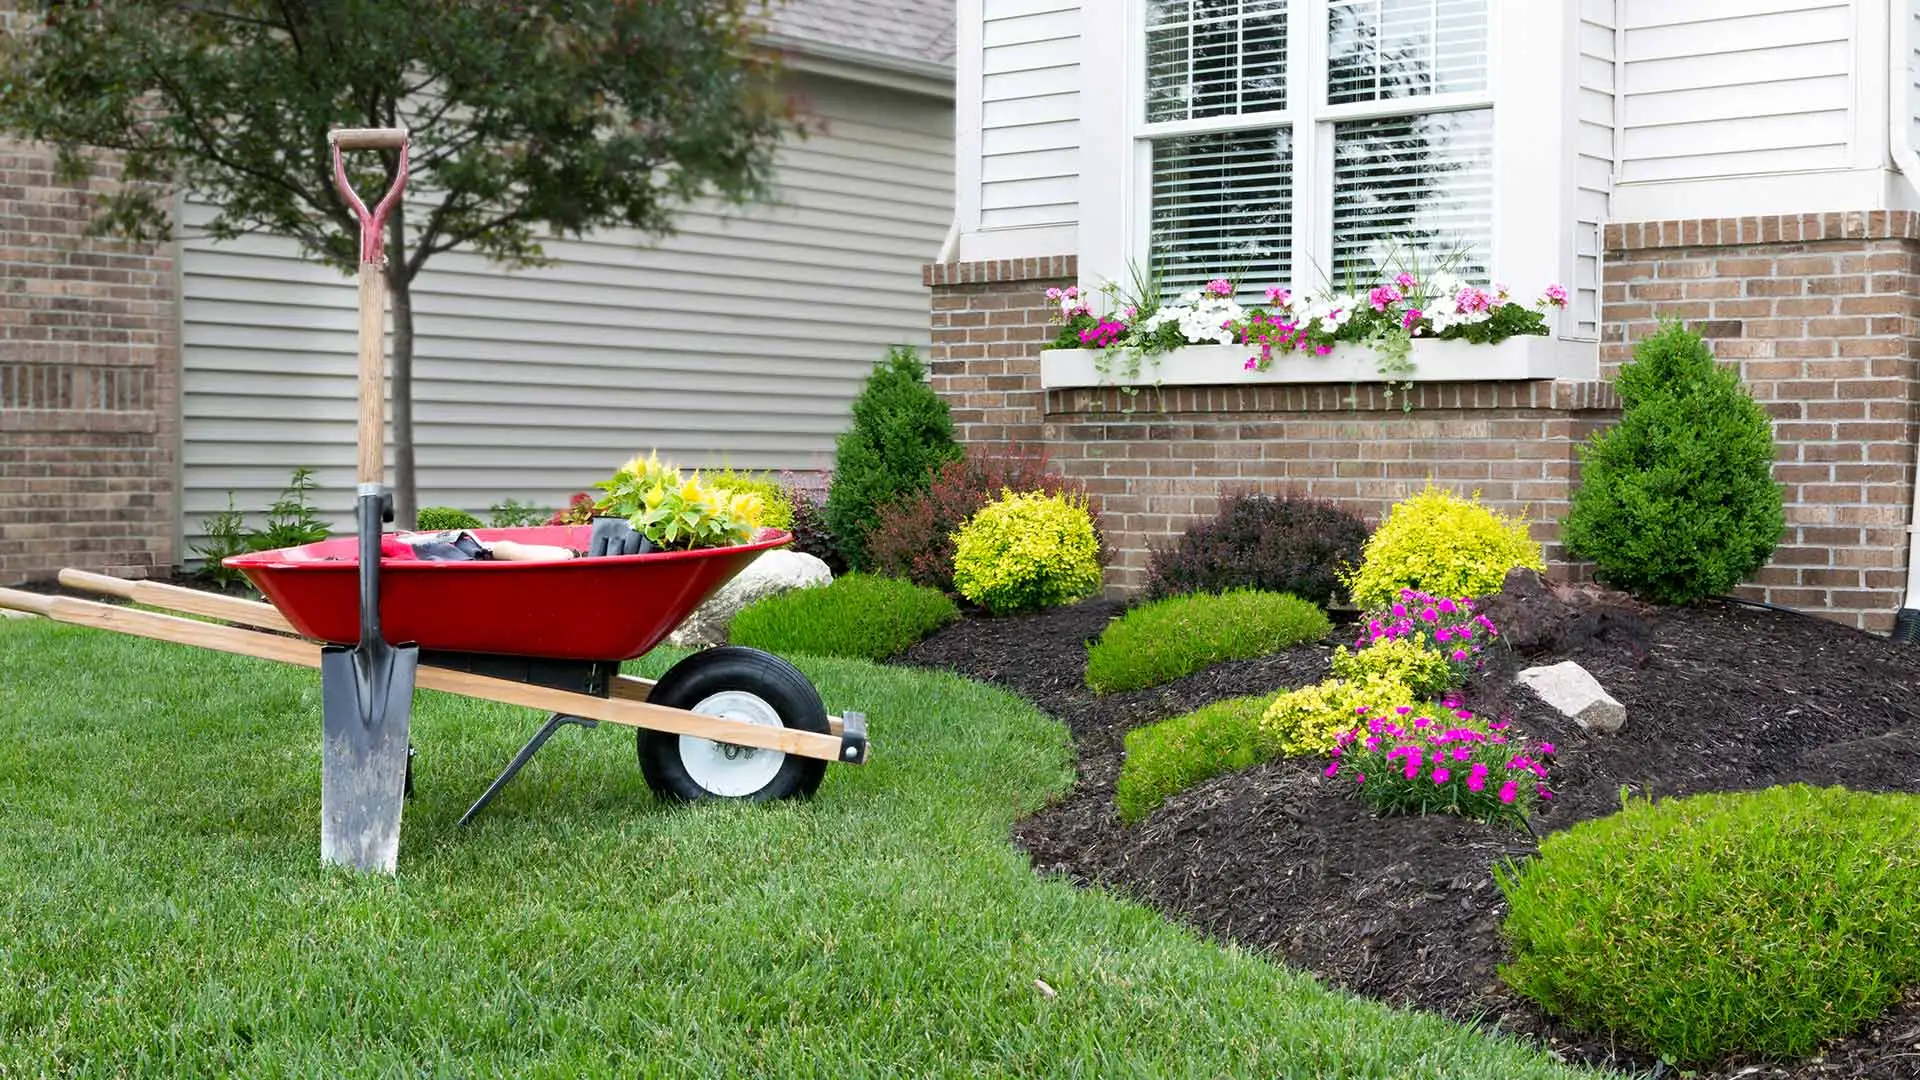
366	691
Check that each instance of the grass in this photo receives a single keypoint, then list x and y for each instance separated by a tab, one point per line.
855	615
1167	758
163	911
1168	639
1758	922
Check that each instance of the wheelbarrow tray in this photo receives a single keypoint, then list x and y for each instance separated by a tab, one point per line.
607	608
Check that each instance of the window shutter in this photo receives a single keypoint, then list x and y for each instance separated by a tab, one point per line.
1223	206
1424	180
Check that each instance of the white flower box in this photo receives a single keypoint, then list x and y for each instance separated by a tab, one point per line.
1525	357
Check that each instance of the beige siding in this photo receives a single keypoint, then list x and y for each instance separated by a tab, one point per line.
1718	88
742	339
1594	118
1029	113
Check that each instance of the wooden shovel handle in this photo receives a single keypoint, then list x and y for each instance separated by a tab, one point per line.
368	138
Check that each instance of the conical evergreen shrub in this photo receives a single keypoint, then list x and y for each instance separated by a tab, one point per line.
1677	501
901	433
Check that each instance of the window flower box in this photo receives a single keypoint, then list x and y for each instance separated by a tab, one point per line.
1522	357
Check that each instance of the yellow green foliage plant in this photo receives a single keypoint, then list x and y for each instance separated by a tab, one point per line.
1425	672
1167	758
1311	719
674	511
776	506
1439	543
1026	551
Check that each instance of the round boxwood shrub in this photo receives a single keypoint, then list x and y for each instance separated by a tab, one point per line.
857	615
1026	551
1759	922
901	433
1286	544
1439	543
442	518
1167	639
1677	502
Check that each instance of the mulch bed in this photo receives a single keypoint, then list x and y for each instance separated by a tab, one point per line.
1278	858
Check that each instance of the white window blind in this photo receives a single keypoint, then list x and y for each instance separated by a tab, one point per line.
1424	181
1223	206
1397	101
1215	58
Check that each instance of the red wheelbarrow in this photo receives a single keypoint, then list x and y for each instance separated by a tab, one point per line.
724	723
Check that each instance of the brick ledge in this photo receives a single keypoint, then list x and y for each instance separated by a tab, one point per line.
996	271
1625	236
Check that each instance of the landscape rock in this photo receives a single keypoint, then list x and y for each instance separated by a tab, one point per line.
1569	688
773	572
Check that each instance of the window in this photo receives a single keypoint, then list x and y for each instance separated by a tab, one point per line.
1296	142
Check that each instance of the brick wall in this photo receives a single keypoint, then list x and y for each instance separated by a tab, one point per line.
1821	313
89	383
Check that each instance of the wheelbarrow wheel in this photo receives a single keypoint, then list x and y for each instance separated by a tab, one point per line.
739	684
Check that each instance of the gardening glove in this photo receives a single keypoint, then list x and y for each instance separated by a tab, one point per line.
616	536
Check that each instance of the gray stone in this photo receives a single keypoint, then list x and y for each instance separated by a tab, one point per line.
1569	688
773	572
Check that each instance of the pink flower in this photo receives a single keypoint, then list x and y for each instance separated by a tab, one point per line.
1359	778
1279	296
1401	709
1447	607
1411	316
1441	776
1410	771
1556	295
1072	291
1333	769
1403	279
1054	294
1382	295
1443	635
1400	610
1509	791
1322	350
1462	753
1459	655
1546	748
1541	790
1430	615
1477	778
1220	287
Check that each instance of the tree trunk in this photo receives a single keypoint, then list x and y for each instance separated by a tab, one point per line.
400	287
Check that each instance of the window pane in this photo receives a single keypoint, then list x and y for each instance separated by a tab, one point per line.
1223	207
1215	58
1405	48
1424	181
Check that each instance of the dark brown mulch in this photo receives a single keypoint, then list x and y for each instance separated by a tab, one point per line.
1719	698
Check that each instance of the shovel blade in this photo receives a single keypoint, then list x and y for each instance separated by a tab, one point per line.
366	698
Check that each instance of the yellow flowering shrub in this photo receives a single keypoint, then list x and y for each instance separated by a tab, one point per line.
1027	551
1407	661
1309	720
1439	543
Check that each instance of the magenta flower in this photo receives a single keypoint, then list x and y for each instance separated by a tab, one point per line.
1447	607
1333	769
1430	615
1404	280
1556	295
1359	778
1220	287
1477	777
1443	635
1440	776
1459	654
1382	295
1509	791
1410	317
1278	295
1546	748
1322	350
1462	753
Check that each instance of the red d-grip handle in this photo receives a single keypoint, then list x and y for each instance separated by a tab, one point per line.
372	224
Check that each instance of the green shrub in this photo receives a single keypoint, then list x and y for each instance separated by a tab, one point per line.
1167	758
1167	639
226	534
901	433
514	514
857	615
1439	543
1677	502
1309	720
442	518
776	507
1406	661
1027	551
1761	922
1288	544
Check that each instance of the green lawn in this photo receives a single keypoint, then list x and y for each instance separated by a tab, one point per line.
163	911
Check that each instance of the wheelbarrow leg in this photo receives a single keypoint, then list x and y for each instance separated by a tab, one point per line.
553	724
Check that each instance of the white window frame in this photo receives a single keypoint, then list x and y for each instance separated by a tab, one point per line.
1531	45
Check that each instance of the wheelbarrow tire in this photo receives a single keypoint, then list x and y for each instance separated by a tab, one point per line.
743	684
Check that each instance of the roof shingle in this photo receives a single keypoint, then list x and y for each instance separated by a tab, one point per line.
901	29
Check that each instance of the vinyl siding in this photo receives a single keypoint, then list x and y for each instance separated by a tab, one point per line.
1715	88
1029	113
1593	164
741	339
